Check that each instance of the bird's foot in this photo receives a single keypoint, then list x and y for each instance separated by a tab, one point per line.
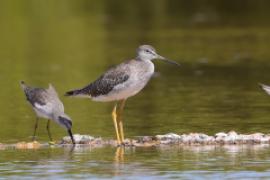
122	144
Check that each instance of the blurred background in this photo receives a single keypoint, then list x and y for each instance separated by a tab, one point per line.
223	47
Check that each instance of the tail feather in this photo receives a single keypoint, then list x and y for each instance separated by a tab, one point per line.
83	92
73	92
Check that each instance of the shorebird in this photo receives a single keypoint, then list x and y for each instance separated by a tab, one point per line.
121	82
46	104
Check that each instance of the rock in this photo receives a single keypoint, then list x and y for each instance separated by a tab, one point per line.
166	141
200	138
231	137
232	134
79	139
220	134
29	145
220	138
2	146
256	137
245	138
146	144
170	136
210	140
143	139
33	145
265	140
21	145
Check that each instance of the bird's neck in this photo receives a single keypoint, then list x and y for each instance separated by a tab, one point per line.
138	58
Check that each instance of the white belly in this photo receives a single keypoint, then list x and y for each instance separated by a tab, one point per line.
42	114
119	93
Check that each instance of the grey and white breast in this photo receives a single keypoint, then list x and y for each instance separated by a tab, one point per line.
138	73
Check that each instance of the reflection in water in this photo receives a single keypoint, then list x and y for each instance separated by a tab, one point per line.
211	148
119	154
119	160
86	161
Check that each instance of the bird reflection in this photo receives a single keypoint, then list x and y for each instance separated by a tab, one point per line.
119	160
119	154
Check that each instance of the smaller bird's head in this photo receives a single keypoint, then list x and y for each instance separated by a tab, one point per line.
65	121
148	53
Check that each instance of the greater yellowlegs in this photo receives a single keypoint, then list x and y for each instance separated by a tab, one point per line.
121	82
47	104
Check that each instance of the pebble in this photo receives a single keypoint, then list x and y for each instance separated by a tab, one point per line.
29	145
170	136
79	139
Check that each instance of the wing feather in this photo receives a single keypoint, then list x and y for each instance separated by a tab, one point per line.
105	83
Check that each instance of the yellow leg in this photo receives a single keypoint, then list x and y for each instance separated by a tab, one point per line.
114	116
120	120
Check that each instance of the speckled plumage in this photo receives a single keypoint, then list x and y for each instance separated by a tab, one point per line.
104	84
119	82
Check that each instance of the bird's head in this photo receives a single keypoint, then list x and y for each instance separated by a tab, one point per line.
148	53
65	121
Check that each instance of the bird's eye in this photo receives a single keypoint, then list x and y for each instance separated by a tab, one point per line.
147	51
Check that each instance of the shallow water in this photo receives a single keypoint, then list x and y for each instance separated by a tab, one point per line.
188	162
223	48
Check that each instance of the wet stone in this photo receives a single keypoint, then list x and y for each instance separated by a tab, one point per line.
2	146
79	139
169	136
144	139
28	145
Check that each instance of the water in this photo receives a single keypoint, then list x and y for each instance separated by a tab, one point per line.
223	48
189	162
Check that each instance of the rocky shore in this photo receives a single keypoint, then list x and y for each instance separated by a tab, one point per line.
171	138
221	138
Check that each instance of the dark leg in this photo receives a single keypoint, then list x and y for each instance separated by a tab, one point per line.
48	129
35	130
71	136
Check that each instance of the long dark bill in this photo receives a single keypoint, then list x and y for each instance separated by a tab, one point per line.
168	61
71	136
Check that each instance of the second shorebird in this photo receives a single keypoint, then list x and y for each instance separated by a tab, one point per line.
122	82
47	104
